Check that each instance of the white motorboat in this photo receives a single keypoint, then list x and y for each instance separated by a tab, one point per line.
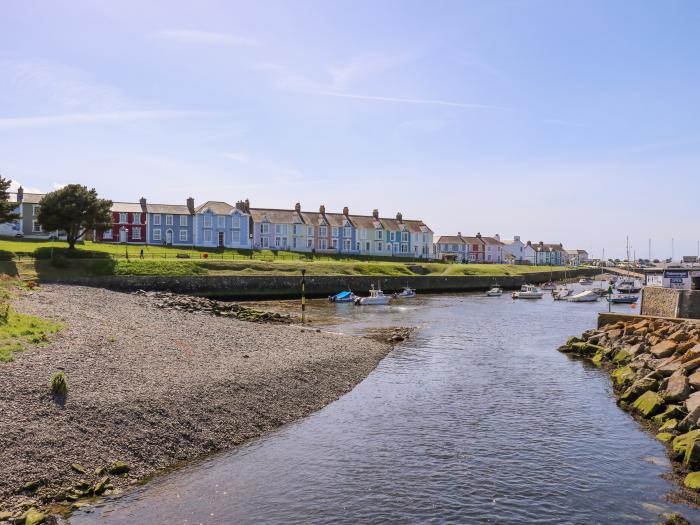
406	293
496	291
628	286
376	297
585	281
528	291
549	285
587	296
561	293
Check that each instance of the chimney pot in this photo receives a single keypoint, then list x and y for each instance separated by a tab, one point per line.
375	213
190	205
322	209
399	217
297	207
346	211
20	194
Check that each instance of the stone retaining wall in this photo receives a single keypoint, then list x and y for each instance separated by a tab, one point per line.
667	302
260	286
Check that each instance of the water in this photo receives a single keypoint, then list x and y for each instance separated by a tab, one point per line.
476	419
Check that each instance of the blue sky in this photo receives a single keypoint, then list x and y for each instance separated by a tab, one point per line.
571	121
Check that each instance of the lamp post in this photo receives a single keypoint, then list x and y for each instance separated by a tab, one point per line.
303	298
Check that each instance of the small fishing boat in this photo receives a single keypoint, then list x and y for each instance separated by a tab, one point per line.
343	297
600	292
376	297
628	287
623	299
528	291
585	281
496	291
406	293
549	285
561	293
587	296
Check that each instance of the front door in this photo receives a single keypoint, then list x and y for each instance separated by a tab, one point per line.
122	235
169	237
221	239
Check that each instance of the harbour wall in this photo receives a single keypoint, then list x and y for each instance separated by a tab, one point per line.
669	303
283	286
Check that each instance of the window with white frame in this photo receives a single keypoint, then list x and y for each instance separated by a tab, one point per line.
265	241
207	221
278	229
220	221
294	242
136	218
183	235
363	234
35	210
284	242
379	246
334	242
207	235
347	231
346	245
168	220
277	242
309	243
107	234
323	244
379	234
368	247
310	231
136	233
236	221
36	227
156	235
404	248
156	220
358	246
404	236
298	229
390	236
183	220
334	231
236	236
323	231
123	218
265	228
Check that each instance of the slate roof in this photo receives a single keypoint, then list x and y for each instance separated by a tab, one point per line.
218	207
273	215
169	209
126	207
491	241
450	239
31	198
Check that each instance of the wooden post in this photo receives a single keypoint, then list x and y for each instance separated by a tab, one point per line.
303	298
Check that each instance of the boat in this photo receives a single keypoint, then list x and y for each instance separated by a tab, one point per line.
623	299
561	293
376	297
496	291
343	297
585	281
600	292
528	291
406	293
549	285
587	296
627	287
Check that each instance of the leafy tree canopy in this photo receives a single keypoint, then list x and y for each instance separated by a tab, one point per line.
7	208
75	210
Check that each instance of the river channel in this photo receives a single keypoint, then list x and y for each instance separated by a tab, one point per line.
475	419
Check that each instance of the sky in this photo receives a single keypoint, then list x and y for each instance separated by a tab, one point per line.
574	122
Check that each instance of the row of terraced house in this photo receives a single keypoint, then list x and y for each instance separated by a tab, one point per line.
216	224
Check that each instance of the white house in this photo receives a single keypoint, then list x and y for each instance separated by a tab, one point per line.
521	252
451	247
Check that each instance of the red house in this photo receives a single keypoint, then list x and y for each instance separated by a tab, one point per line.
128	223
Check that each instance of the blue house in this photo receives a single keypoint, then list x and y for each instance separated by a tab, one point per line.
220	225
170	224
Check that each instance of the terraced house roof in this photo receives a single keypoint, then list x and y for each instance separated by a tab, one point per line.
217	207
169	209
491	241
273	215
450	239
126	207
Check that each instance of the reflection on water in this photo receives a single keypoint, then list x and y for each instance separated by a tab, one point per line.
476	419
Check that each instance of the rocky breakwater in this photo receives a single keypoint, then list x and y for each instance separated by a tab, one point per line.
655	368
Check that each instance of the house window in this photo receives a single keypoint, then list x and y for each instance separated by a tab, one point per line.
236	221
334	231
284	242
207	235
278	229
310	231
156	235
363	234
107	234
183	220
379	246
309	243
265	228
358	246
265	242
346	245
36	227
390	236
35	210
367	246
156	220
334	242
136	218
136	233
207	222
220	221
123	218
404	236
277	242
404	248
183	235
324	244
294	242
168	220
347	231
298	229
379	234
323	231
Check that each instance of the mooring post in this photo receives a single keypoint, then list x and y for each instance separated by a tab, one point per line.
303	298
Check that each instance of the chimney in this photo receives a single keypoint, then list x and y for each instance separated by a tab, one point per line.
399	217
322	209
375	213
247	205
459	234
240	205
529	243
20	194
497	237
142	202
190	205
478	235
541	243
297	207
346	211
516	238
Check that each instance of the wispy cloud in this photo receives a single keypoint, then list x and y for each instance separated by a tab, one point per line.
189	36
91	118
401	100
238	157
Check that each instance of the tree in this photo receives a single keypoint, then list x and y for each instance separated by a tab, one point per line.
75	210
7	207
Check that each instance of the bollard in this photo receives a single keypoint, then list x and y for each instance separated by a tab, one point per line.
303	298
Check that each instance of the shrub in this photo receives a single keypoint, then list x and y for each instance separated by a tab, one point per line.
59	384
4	312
